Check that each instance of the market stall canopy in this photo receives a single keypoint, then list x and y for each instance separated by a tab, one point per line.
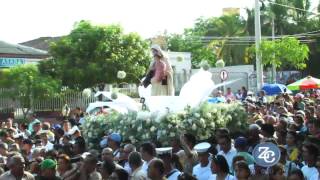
275	89
308	82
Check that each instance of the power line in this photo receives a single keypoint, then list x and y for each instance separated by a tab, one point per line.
291	7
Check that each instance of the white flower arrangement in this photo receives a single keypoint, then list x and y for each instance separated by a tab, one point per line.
143	126
121	75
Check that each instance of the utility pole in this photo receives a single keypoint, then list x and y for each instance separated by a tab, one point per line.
274	72
259	68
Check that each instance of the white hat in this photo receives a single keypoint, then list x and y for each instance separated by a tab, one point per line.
202	147
73	130
164	150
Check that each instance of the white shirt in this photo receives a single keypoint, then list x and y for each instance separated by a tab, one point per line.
48	146
127	168
308	172
315	176
202	173
229	156
145	166
214	177
174	176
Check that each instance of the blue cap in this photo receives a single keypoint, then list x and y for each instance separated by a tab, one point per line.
241	141
56	126
115	137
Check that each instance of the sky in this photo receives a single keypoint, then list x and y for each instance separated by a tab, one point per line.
23	20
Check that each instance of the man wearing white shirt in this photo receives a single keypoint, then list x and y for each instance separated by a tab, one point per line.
202	171
227	150
310	153
148	153
45	142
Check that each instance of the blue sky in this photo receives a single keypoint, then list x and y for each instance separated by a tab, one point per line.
23	20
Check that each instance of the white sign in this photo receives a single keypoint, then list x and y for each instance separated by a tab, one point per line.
223	75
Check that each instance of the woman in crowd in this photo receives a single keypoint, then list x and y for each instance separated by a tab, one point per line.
220	169
242	171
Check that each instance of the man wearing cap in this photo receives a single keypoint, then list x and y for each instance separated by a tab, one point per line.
16	164
114	141
48	170
202	171
165	154
241	144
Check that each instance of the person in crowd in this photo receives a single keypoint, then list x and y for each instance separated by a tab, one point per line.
227	150
45	140
33	119
88	168
23	129
253	136
156	170
292	146
65	168
26	148
120	174
241	144
242	171
310	153
36	129
135	162
230	95
148	152
277	172
262	99
5	137
128	148
106	169
314	128
16	165
79	147
289	166
66	125
296	175
107	155
220	169
188	156
202	171
48	170
165	154
244	93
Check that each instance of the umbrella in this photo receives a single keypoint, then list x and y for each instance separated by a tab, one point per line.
275	89
305	83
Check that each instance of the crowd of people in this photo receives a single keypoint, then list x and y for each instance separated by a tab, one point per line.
42	150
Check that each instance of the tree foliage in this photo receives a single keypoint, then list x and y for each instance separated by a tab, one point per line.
287	50
92	55
25	84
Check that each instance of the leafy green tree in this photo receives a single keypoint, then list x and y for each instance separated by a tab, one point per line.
91	56
287	50
26	85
